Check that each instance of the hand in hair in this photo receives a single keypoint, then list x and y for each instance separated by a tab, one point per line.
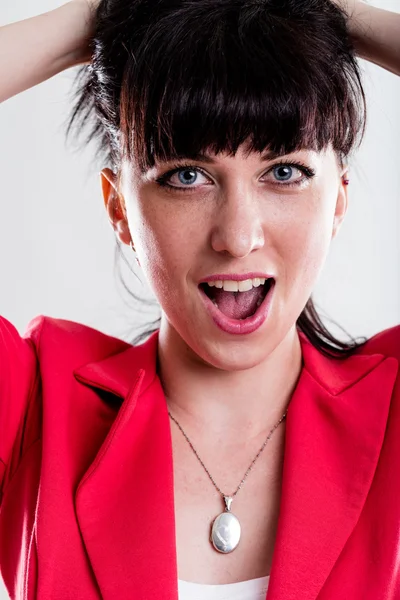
347	5
85	54
93	4
34	50
375	33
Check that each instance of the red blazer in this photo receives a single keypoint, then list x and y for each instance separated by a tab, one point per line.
86	472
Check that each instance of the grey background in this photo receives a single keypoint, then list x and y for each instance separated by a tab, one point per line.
57	247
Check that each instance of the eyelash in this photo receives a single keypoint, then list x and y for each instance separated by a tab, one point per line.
162	180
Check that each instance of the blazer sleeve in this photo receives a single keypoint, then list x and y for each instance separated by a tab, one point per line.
19	372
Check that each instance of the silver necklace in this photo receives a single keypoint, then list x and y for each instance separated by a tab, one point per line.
225	529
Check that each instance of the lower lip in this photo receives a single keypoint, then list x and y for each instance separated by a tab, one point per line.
235	326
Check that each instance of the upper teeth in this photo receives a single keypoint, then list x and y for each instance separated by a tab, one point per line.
237	286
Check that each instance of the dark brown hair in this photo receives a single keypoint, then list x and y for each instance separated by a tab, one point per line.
173	79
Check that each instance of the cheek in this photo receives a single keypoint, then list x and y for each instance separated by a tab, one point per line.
304	243
166	239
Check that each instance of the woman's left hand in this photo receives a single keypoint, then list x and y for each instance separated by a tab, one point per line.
375	33
349	6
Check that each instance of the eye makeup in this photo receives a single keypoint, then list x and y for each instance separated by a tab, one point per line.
307	174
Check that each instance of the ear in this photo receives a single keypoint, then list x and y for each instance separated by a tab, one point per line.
342	203
115	205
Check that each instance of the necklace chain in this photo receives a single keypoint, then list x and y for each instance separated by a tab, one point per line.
251	465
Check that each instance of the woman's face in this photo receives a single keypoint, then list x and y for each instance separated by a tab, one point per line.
230	216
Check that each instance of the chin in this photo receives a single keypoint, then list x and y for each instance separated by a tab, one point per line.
233	355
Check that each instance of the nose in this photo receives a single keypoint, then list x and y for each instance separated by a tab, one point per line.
237	228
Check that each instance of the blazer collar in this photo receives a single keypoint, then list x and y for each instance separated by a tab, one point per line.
116	373
334	433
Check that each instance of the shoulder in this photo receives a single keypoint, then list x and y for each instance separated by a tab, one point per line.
386	342
65	340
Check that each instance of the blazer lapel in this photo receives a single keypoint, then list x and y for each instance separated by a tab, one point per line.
124	503
334	433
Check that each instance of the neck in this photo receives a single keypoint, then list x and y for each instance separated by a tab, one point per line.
205	397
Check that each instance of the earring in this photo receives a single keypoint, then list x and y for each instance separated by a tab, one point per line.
346	181
134	250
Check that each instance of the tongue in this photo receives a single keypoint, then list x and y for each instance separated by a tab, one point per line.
238	305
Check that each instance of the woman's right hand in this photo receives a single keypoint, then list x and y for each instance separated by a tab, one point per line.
92	4
89	10
34	50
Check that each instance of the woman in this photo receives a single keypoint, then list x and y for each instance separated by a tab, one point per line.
122	466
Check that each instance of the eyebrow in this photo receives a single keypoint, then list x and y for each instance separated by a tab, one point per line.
206	158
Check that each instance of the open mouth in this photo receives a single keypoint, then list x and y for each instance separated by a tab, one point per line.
238	305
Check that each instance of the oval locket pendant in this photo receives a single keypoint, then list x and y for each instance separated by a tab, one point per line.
225	530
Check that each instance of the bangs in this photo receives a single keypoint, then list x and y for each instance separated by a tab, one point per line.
211	76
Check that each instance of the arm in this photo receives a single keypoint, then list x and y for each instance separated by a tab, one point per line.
375	32
19	375
34	50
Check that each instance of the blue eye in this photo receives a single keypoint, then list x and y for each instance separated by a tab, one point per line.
187	176
290	174
283	172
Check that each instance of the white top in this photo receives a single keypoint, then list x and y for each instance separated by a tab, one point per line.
254	589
